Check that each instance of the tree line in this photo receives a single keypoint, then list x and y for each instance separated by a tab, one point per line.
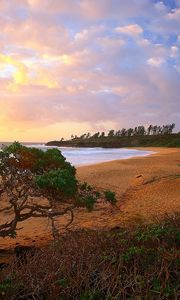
137	131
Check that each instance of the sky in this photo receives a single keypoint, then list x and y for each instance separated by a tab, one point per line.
74	66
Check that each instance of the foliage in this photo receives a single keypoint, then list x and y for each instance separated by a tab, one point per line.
88	196
102	265
110	197
37	160
85	187
60	181
154	231
88	201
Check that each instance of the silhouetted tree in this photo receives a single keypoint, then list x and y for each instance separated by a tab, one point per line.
111	133
88	135
118	133
83	136
171	127
102	134
141	130
123	132
130	131
96	135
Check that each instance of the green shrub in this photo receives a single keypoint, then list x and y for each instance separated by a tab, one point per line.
88	201
58	181
14	148
154	231
83	186
110	197
132	252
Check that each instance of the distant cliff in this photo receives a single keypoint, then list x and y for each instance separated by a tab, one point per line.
167	140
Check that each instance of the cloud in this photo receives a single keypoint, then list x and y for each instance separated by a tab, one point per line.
20	72
132	29
89	64
155	61
174	51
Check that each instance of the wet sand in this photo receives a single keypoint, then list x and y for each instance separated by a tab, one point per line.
146	189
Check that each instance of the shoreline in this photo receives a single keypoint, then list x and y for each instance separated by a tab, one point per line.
155	151
103	166
107	161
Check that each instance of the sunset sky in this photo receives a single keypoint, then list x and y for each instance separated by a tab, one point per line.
73	66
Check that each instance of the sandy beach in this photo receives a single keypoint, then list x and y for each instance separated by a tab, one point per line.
146	189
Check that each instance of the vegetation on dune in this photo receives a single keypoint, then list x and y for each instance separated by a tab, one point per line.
28	174
155	136
141	263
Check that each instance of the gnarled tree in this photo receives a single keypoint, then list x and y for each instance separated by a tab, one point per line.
27	175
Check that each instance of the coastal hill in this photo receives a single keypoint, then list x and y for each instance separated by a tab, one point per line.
153	136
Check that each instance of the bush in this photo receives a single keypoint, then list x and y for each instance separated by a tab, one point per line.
60	181
102	265
37	160
88	201
110	197
51	172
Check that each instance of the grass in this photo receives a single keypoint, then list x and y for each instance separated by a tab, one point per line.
141	263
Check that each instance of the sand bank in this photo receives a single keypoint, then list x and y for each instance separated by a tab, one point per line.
146	188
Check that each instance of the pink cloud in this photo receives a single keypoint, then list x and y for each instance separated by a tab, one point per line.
78	69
